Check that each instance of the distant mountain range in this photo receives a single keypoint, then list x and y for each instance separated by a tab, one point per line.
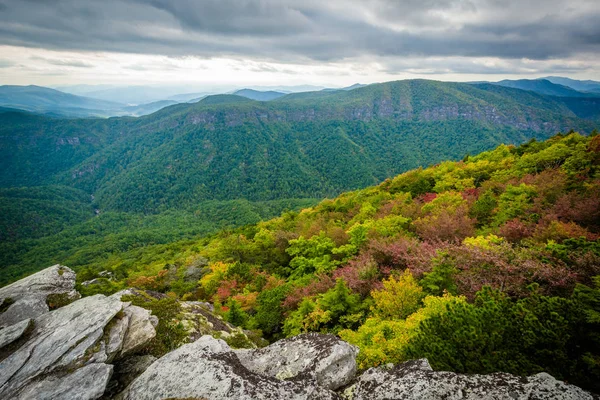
49	101
301	145
582	96
258	95
582	86
544	86
96	101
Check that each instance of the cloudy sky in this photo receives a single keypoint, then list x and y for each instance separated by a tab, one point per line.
274	42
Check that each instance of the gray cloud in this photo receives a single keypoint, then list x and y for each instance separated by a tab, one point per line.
310	30
63	62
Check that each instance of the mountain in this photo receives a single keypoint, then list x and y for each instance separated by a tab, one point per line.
543	86
189	97
302	145
49	101
355	86
258	95
133	95
188	170
54	103
497	246
145	109
582	86
288	88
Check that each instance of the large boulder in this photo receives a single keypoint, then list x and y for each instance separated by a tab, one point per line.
31	297
324	358
417	380
209	369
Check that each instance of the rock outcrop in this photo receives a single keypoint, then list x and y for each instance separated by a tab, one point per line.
209	369
65	353
322	358
32	296
417	380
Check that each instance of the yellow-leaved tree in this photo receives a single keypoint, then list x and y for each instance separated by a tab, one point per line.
399	297
383	341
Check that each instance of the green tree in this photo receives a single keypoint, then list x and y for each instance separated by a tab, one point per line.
235	314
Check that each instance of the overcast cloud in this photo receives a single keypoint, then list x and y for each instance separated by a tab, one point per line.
438	37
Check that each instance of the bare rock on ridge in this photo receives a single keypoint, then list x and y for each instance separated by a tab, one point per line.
66	353
417	380
323	358
29	297
208	369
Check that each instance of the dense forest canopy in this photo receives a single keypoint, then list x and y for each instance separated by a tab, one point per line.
86	191
487	264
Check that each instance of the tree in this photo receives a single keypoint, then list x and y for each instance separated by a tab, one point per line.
399	298
235	314
534	334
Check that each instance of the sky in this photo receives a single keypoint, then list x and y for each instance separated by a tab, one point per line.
207	44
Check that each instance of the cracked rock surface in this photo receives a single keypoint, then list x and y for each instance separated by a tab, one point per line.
417	380
65	353
209	369
28	297
323	358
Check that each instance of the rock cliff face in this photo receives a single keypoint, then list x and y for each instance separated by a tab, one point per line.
87	349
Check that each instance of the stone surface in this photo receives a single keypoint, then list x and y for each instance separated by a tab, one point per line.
116	335
125	371
29	295
62	340
140	329
86	383
10	334
208	369
325	358
416	380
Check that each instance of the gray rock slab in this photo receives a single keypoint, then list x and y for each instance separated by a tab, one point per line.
140	329
12	333
30	293
86	383
64	339
325	358
208	369
416	380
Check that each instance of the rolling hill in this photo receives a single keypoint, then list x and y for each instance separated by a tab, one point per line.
582	86
543	86
49	101
259	95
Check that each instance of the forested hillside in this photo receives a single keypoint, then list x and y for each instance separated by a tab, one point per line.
284	148
487	264
191	169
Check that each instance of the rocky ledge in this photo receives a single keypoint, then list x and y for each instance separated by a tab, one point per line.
65	353
93	348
